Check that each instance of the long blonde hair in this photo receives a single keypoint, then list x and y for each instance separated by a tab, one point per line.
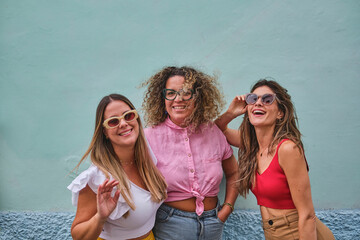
103	156
287	127
207	96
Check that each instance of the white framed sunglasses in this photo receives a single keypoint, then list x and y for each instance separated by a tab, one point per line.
113	122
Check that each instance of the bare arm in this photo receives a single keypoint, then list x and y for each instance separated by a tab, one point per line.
293	163
230	167
237	107
93	210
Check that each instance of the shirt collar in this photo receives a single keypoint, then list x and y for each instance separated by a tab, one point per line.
171	124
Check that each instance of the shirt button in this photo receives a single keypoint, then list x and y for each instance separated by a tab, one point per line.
186	139
191	170
189	155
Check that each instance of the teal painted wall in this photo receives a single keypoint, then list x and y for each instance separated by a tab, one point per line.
59	58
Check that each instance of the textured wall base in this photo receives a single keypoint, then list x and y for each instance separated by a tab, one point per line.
246	225
242	224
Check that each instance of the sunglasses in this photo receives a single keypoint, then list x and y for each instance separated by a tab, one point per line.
113	122
170	94
266	99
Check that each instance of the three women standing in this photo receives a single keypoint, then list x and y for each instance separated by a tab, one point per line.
117	197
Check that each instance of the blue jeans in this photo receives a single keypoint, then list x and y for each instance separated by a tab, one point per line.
174	224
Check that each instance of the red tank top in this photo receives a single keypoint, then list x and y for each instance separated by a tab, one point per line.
271	187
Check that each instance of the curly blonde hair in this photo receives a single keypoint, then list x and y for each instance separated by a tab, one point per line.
208	98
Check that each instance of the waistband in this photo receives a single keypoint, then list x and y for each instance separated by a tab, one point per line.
280	221
149	237
175	211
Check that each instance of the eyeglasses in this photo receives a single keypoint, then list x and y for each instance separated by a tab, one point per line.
170	94
266	99
113	122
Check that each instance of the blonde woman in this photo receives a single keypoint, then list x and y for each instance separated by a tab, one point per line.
272	163
192	153
118	195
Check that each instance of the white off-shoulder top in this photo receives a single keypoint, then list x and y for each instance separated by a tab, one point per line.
138	222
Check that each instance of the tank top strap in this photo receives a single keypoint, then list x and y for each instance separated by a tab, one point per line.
277	149
278	146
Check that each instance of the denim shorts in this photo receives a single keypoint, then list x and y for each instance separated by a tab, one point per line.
174	224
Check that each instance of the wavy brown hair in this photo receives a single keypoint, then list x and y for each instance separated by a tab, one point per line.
286	127
207	96
103	156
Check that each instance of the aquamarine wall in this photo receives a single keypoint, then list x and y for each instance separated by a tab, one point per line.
59	58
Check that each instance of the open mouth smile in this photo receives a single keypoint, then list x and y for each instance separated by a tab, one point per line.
179	108
258	112
125	133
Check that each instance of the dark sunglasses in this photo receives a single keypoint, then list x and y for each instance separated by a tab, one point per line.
113	122
170	94
266	99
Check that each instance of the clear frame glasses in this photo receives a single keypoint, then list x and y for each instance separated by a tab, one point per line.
113	122
170	94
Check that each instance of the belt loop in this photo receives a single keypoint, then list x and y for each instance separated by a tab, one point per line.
286	220
171	211
218	207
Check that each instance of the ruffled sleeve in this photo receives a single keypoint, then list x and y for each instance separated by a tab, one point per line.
152	155
94	177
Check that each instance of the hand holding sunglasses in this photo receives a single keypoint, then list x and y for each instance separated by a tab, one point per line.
113	122
237	106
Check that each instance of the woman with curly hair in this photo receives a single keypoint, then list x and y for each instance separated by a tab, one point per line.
272	163
118	195
192	153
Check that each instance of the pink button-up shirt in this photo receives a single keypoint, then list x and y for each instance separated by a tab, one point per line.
191	162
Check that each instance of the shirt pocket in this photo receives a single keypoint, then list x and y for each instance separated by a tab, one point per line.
213	169
214	158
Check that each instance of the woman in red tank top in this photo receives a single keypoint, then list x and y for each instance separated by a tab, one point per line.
272	163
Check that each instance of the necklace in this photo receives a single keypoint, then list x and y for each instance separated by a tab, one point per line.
126	162
263	152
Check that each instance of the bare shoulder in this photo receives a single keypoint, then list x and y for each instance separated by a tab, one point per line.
289	147
290	154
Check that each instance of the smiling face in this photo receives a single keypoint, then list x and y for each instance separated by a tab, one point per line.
126	133
178	109
263	115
